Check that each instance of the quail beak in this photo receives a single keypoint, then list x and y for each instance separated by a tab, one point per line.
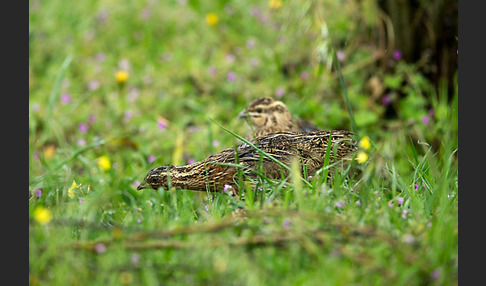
242	114
143	185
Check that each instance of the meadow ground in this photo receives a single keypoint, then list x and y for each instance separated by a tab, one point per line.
117	89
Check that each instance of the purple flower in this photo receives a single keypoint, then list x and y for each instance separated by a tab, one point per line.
135	258
254	62
36	156
92	118
431	112
279	92
100	248
165	57
408	238
404	214
146	13
83	127
341	55
65	98
38	193
102	16
151	158
255	11
128	115
340	204
358	202
435	274
161	124
136	183
230	58
206	207
194	128
191	161
263	19
124	64
390	204
212	70
415	186
397	55
93	85
250	44
216	143
400	200
80	200
304	75
227	187
286	223
140	219
133	94
35	107
100	57
386	100
425	120
81	142
231	76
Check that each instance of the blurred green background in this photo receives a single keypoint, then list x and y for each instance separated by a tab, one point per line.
117	88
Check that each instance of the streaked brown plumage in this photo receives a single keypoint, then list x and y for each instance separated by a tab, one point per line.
267	115
209	174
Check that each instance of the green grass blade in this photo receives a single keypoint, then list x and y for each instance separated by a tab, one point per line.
57	84
258	149
413	150
326	158
354	128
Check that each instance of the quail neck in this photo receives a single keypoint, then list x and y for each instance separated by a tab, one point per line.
266	115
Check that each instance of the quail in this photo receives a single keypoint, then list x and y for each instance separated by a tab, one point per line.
218	170
267	115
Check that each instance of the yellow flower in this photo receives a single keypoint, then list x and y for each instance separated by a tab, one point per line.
104	162
362	157
365	143
117	232
126	278
212	19
275	4
49	151
72	188
42	215
121	76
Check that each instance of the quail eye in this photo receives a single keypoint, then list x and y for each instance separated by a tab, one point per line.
259	110
152	180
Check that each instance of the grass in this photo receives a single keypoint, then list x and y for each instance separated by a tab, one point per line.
391	220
